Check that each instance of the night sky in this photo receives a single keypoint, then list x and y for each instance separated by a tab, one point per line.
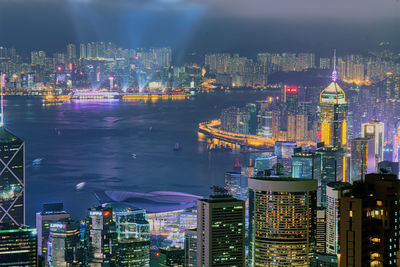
245	26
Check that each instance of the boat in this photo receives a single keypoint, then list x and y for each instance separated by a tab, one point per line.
80	186
177	147
37	161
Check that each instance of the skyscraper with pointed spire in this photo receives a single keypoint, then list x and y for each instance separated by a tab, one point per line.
12	173
332	113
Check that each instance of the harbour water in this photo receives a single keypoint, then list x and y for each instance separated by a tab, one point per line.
92	142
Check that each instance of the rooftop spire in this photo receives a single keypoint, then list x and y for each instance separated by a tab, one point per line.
2	86
334	73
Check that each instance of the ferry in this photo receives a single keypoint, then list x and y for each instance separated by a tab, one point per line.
177	147
95	95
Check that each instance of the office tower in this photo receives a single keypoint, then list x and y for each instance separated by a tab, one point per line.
362	159
376	131
334	193
332	170
282	216
388	167
191	247
220	231
320	233
332	115
369	222
236	185
71	51
18	246
52	212
323	260
12	177
263	163
291	98
306	165
284	151
133	234
171	256
64	246
82	51
101	237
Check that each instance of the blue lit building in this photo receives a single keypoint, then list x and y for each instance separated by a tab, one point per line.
306	165
236	184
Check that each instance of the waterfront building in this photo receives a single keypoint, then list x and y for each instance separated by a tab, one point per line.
101	237
334	193
306	165
12	178
171	256
64	246
191	247
52	212
235	120
332	170
282	215
220	231
362	159
369	222
18	246
332	114
375	130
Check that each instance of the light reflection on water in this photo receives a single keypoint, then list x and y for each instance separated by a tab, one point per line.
93	142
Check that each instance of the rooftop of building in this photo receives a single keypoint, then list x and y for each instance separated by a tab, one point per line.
333	94
7	137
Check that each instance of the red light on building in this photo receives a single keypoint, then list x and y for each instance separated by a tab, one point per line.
157	254
59	68
106	213
291	90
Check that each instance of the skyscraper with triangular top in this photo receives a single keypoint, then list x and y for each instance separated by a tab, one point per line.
332	113
12	174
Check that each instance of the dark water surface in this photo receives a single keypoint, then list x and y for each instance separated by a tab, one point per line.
97	139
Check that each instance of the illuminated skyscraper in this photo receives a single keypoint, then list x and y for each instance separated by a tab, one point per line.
18	246
12	174
376	131
282	215
191	247
369	222
71	51
220	231
362	160
82	51
51	213
332	114
334	193
306	165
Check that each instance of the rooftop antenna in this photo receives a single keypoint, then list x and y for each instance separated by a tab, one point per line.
334	73
2	85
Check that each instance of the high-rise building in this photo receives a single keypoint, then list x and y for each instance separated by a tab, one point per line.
82	51
320	233
291	98
191	247
332	114
64	247
171	256
236	185
376	131
220	231
332	170
306	165
12	178
334	193
282	216
18	246
52	212
71	51
369	222
101	237
133	235
362	159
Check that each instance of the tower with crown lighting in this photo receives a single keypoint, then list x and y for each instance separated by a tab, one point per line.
12	174
332	108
